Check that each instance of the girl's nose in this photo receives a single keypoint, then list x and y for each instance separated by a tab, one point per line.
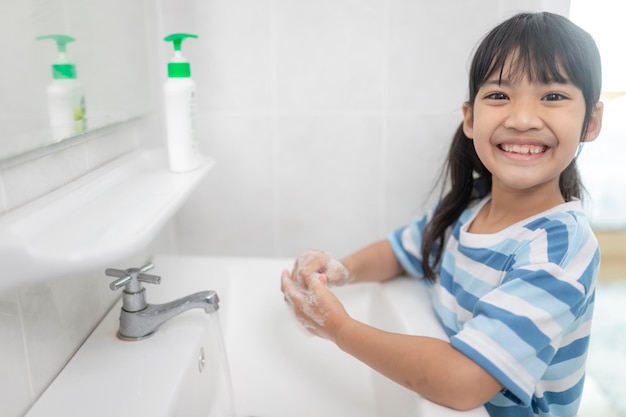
524	115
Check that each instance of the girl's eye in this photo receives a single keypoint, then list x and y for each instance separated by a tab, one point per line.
553	97
497	96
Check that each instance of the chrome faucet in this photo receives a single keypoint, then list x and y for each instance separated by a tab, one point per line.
138	319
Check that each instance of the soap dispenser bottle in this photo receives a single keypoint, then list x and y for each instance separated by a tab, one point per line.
180	109
66	94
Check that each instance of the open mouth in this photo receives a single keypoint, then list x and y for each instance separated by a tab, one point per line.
523	149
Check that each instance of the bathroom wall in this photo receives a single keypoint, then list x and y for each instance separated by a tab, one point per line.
329	119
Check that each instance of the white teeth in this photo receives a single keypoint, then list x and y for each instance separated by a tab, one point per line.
523	149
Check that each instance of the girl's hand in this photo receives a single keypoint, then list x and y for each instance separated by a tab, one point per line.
314	305
315	262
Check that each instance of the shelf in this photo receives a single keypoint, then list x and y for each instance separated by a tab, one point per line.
95	221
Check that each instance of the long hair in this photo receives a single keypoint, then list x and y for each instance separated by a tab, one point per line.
544	47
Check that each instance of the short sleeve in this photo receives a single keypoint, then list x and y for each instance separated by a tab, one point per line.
406	243
535	324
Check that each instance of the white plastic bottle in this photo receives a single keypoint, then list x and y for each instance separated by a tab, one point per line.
66	95
180	110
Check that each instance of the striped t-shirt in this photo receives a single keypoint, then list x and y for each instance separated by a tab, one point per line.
518	302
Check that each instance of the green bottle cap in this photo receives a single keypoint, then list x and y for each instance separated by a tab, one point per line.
62	69
178	69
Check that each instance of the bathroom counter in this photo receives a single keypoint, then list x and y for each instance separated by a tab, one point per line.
103	217
275	367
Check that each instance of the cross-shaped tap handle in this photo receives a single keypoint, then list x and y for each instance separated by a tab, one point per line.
131	277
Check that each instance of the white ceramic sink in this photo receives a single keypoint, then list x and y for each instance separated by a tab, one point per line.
280	371
277	369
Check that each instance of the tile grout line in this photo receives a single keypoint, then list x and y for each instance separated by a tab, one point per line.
276	241
384	140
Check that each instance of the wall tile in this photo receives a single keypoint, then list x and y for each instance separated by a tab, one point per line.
27	177
27	103
112	142
15	388
329	173
4	206
328	55
57	316
428	66
111	89
236	200
416	150
235	63
230	60
31	179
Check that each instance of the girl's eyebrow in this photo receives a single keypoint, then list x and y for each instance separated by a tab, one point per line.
498	82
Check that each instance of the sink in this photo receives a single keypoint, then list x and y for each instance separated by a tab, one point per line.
276	368
403	305
279	370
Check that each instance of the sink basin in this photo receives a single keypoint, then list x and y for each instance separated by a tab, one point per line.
277	369
403	305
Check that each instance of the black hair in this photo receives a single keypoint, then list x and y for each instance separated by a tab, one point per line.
544	47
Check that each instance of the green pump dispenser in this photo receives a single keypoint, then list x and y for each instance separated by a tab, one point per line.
62	69
178	67
66	94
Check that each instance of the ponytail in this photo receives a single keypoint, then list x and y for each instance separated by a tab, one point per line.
465	171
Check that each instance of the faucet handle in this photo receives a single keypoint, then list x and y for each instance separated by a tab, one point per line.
131	277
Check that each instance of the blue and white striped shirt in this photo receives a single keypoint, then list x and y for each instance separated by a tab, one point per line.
518	302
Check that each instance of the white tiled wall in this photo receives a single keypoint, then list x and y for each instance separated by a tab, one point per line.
24	178
329	119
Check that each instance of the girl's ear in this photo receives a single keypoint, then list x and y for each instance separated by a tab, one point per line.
468	121
595	123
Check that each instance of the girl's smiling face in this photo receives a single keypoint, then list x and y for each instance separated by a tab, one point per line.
527	132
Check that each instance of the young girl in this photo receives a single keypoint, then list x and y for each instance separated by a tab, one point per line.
511	256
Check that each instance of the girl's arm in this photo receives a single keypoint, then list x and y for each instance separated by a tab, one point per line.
428	366
375	262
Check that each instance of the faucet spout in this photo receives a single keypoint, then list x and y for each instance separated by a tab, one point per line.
139	319
137	325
